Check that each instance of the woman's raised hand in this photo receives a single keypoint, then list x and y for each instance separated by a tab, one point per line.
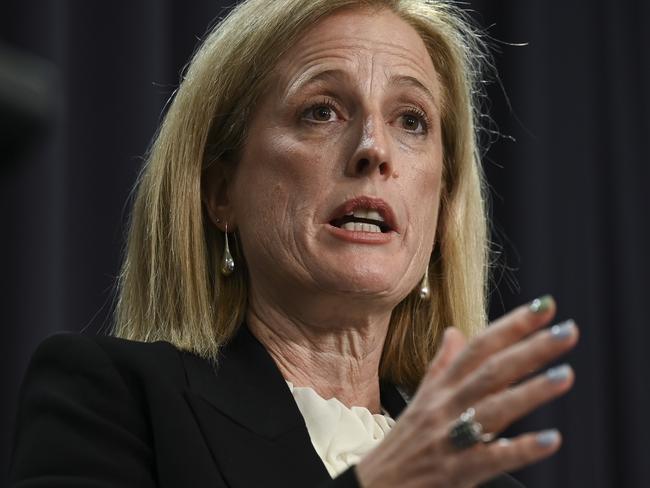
478	374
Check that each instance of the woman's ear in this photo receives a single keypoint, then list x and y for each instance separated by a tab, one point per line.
215	195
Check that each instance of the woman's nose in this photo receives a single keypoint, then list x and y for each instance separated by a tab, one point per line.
372	154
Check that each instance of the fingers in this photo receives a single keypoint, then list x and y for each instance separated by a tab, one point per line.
486	460
453	342
511	364
497	412
504	332
480	375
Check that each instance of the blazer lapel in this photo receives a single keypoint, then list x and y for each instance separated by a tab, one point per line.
249	418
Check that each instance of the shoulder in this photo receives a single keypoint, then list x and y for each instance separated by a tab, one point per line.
79	345
79	353
87	373
84	407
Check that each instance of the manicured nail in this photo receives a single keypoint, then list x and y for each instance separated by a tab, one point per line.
558	374
541	304
547	438
563	330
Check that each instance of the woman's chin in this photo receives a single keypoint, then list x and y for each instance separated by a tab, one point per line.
365	281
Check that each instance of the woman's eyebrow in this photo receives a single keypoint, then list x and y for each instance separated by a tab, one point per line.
309	78
412	82
337	75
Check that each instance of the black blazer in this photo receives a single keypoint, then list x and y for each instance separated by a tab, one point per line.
106	412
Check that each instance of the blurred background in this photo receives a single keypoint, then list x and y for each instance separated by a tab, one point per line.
82	88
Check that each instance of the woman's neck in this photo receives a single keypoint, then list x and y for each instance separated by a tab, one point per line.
339	361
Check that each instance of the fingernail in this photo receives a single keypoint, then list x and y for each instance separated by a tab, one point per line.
563	330
541	304
547	438
558	374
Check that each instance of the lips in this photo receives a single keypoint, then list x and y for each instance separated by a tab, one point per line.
364	214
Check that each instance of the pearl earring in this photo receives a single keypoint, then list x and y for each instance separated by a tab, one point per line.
425	291
227	261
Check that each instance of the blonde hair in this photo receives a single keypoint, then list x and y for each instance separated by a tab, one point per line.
170	287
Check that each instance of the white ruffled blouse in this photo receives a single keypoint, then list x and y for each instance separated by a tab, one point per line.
340	435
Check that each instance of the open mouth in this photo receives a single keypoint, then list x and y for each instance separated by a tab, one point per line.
364	214
362	220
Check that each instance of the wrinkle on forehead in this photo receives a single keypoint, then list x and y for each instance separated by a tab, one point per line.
350	46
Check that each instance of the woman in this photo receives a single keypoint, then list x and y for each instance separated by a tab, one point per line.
309	223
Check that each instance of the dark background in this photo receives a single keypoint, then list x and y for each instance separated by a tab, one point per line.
569	183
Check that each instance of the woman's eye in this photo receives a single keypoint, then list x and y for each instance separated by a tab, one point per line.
414	123
320	113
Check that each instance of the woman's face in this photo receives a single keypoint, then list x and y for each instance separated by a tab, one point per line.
348	130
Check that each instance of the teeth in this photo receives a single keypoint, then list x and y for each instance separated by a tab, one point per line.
359	227
364	213
374	215
372	228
